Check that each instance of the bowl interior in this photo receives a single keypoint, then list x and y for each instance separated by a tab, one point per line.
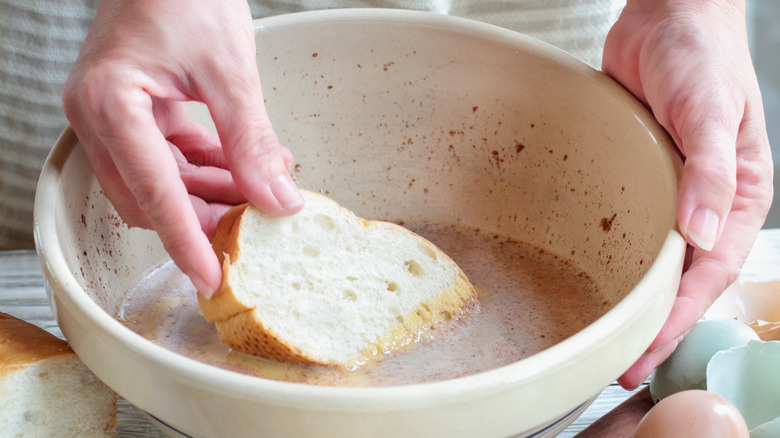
412	117
416	122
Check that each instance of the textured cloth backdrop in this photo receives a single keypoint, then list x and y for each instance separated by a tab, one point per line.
40	39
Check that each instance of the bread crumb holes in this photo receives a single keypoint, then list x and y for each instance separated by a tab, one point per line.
350	295
414	267
325	222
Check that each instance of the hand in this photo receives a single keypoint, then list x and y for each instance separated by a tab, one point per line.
688	61
125	99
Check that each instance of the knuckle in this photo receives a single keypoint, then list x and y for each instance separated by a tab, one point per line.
730	273
714	172
152	198
256	146
755	180
107	91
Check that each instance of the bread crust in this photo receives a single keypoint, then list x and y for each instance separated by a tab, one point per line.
247	333
22	344
223	303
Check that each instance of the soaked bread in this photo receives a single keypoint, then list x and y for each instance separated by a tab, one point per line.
326	287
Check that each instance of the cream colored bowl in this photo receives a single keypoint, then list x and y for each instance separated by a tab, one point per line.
405	115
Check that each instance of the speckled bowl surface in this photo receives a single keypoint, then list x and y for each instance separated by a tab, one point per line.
405	115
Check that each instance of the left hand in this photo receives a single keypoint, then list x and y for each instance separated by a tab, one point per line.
688	61
125	99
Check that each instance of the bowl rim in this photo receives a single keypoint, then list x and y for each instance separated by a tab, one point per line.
362	399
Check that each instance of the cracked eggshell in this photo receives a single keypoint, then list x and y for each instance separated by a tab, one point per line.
686	368
748	377
767	331
767	430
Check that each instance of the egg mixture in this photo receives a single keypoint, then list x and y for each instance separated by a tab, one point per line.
530	300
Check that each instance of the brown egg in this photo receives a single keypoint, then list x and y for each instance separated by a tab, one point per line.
693	414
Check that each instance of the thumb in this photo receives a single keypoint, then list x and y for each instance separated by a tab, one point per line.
259	163
693	90
707	133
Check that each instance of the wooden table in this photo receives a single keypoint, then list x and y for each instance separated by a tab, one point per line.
23	295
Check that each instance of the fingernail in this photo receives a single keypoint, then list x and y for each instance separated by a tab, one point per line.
202	287
285	192
703	228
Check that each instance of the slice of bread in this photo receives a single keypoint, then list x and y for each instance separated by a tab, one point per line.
45	390
326	287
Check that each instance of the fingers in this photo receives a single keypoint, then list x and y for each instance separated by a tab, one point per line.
711	272
119	101
644	366
702	111
113	185
716	265
202	165
124	98
259	163
209	214
210	184
698	104
691	65
199	145
699	287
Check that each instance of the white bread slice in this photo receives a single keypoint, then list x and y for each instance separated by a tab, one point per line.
326	287
45	390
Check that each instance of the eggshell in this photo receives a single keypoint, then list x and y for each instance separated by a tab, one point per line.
767	331
769	429
693	414
749	377
686	368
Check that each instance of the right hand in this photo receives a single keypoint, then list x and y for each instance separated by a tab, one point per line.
125	99
689	62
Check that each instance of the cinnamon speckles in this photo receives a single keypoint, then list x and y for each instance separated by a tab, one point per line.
606	223
496	158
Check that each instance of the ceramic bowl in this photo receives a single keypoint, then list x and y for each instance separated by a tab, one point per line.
403	116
